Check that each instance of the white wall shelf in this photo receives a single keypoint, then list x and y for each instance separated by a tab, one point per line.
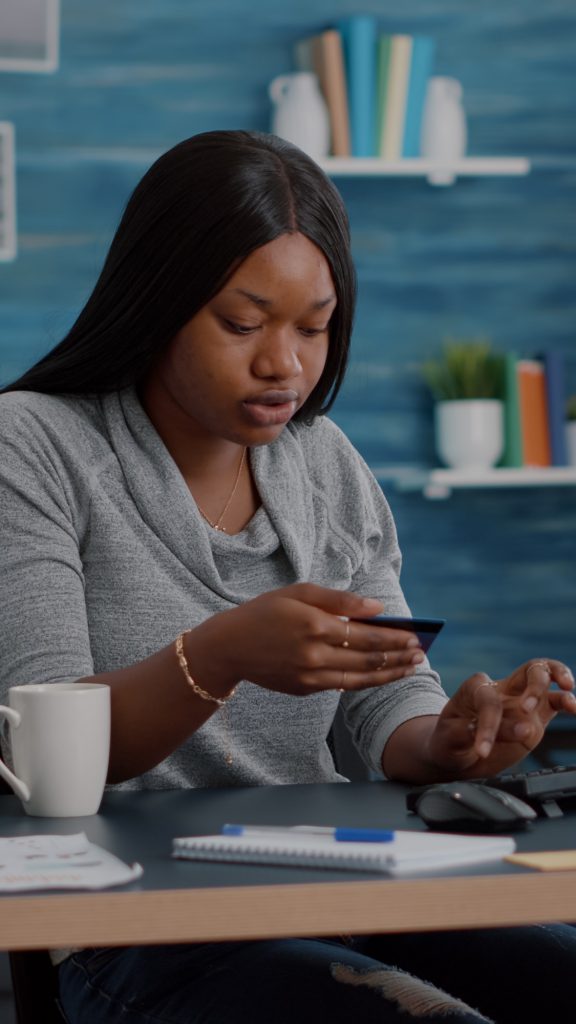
439	483
7	193
437	173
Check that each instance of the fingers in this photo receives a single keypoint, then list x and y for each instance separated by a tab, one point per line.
337	602
534	677
561	701
494	720
343	680
368	655
487	703
538	675
560	673
364	637
343	668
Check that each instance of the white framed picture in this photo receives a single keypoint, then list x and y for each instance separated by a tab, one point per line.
29	35
7	193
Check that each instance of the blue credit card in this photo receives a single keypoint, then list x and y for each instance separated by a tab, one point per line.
425	629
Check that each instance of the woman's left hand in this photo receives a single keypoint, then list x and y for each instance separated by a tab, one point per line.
489	725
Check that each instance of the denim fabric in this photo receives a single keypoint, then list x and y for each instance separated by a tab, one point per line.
509	976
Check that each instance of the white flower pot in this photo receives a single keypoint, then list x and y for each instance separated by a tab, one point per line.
571	442
470	433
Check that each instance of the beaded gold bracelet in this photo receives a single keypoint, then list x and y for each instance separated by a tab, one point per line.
179	644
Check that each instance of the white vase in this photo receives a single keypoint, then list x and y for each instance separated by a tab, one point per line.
444	135
300	113
571	442
470	433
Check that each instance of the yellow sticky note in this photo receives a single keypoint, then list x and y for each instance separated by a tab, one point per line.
549	860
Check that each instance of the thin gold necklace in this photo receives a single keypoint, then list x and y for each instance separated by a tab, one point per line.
218	524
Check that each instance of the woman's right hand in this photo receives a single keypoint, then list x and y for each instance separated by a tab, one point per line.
300	640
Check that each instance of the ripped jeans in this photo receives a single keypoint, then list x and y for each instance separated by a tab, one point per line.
507	976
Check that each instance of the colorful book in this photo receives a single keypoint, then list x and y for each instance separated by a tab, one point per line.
384	48
513	455
360	36
421	64
324	55
394	113
554	369
534	412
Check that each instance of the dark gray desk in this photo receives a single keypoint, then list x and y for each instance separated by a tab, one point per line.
179	901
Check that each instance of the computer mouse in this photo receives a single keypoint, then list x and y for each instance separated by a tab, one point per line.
472	807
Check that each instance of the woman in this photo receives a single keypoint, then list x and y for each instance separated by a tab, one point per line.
181	521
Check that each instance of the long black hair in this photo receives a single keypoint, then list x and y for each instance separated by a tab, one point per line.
199	211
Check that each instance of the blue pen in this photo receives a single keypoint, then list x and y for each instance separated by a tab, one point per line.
341	835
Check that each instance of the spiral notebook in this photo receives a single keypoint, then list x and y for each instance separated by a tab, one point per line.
405	853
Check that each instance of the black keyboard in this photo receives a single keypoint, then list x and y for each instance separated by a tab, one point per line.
543	784
544	788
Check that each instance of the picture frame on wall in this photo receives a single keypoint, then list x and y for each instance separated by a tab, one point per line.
29	35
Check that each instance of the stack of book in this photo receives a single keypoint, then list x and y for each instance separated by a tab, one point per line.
374	85
535	411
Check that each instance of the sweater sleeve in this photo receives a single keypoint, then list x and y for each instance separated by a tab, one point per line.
44	631
373	715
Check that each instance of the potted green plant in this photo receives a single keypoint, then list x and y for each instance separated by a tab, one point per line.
466	382
571	429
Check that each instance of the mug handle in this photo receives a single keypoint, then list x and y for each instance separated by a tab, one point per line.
20	788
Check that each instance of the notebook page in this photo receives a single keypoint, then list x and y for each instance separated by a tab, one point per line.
408	851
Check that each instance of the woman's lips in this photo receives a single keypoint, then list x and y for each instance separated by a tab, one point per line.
271	408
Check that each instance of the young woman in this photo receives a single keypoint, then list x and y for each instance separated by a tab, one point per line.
182	521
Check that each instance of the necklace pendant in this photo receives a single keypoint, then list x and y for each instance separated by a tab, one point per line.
229	759
216	525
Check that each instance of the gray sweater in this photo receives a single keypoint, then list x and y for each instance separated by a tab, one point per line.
104	559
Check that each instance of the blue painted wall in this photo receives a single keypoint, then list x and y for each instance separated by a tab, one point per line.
489	256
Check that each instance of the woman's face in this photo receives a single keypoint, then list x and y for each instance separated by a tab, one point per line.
241	368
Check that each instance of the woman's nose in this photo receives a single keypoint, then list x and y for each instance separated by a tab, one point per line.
278	357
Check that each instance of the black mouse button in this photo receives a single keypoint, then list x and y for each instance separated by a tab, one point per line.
439	804
445	805
513	803
469	806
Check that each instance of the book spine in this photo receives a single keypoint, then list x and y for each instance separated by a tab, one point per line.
421	63
359	34
382	72
396	96
329	54
534	412
513	455
556	398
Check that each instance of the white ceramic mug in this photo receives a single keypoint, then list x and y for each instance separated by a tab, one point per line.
60	741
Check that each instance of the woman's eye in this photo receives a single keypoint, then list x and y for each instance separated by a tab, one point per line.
240	328
312	332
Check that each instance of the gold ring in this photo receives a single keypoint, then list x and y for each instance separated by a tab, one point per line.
537	664
346	641
491	683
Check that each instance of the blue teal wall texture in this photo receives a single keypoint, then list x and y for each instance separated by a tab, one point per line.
489	256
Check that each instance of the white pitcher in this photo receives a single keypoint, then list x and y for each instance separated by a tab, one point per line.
443	137
300	113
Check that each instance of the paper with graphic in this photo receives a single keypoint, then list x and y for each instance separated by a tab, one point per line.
60	862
